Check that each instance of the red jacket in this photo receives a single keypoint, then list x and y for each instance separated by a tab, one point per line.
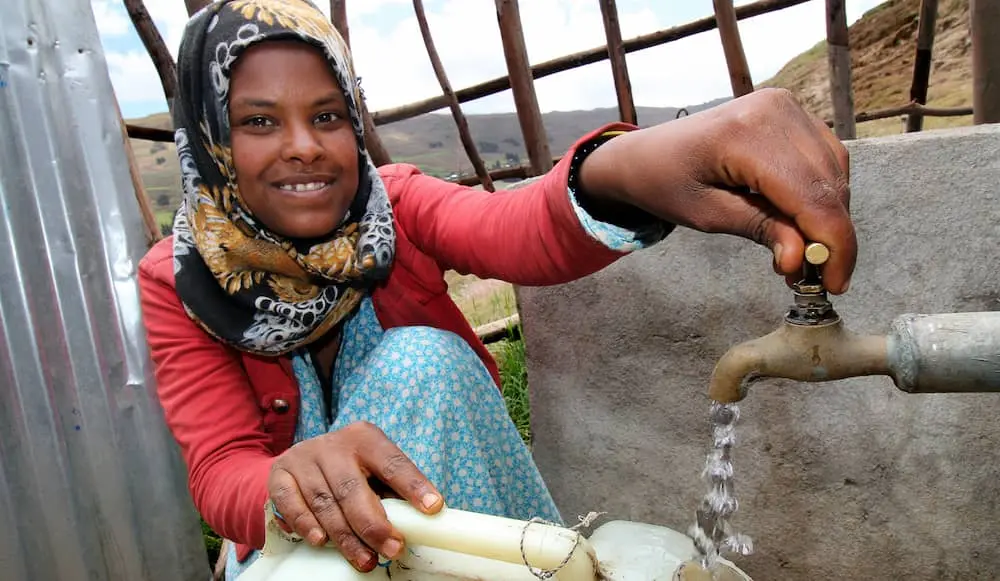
232	412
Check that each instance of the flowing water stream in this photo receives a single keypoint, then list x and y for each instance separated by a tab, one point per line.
713	531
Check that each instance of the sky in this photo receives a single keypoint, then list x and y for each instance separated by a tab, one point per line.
391	59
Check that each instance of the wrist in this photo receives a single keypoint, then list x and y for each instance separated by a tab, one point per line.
596	180
594	169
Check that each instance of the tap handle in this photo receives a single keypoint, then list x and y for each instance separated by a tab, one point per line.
811	304
816	254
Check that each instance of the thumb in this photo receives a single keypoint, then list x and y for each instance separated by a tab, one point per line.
788	247
753	217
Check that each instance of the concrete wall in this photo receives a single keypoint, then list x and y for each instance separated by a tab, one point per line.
846	480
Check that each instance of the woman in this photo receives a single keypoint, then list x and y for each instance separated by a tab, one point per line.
306	350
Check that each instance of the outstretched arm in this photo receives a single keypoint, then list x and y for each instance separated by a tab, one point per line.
534	235
760	167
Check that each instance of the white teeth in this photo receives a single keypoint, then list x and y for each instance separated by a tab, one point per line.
310	187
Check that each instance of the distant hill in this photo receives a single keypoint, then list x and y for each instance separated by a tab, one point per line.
431	141
883	46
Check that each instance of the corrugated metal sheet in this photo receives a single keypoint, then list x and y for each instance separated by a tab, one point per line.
91	486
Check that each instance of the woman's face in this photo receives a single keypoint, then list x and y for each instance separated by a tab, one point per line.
294	150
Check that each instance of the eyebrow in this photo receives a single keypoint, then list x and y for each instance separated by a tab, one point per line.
329	99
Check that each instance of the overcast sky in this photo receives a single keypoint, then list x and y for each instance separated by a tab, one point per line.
391	59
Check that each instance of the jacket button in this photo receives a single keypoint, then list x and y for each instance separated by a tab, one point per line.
279	406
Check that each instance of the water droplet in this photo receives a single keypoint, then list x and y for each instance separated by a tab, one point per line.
712	530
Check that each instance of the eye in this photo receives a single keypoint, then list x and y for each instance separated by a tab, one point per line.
327	117
258	121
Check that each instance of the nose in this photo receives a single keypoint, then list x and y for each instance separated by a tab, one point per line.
302	144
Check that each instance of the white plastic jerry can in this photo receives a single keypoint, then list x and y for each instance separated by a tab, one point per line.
460	545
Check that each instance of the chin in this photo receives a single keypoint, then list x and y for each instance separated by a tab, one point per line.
307	228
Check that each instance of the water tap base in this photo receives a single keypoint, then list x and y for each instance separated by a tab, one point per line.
811	307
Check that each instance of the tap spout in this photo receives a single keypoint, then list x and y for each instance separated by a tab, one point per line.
811	353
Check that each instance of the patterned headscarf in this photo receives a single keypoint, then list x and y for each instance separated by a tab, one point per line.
246	285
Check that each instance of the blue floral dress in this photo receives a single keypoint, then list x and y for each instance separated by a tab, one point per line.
433	397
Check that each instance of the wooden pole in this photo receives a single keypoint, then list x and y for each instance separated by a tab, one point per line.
506	328
985	60
922	61
150	133
153	234
623	87
376	149
338	14
517	172
732	46
456	110
523	86
579	59
910	109
219	573
156	48
838	53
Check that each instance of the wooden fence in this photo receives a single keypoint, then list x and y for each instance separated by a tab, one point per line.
521	74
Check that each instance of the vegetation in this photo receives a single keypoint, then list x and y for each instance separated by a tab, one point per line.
514	379
213	544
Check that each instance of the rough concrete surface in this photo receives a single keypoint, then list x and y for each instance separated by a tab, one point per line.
844	480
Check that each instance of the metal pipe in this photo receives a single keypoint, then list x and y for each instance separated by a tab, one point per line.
948	353
943	353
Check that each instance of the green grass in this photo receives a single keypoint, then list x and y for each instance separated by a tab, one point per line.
165	218
514	382
509	355
213	544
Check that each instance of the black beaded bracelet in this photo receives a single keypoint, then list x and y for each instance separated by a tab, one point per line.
615	213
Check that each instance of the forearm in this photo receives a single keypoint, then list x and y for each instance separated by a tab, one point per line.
759	167
544	233
211	411
606	178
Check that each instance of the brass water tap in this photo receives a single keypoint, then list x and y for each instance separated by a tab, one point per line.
810	345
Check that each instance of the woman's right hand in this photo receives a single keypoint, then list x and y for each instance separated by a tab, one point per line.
321	489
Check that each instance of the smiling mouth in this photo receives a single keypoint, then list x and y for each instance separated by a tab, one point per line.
303	188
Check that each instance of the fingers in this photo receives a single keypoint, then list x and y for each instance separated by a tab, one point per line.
362	508
353	515
841	157
288	501
752	216
802	171
321	488
395	469
307	501
843	267
378	456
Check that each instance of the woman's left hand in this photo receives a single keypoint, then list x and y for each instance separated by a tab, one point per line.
760	167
